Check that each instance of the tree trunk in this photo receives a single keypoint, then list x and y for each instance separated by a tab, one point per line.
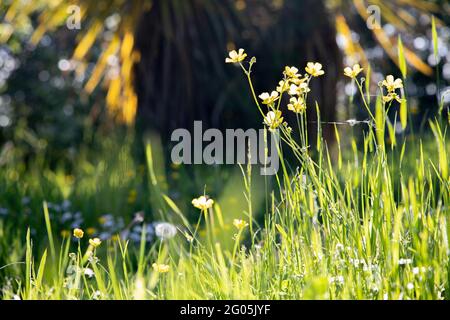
182	76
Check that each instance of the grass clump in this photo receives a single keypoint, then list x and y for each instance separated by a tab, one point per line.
369	222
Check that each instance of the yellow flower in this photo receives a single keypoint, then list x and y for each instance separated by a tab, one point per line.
65	233
273	119
392	84
353	72
90	231
240	224
115	237
235	57
291	72
202	203
283	86
415	109
268	98
78	233
314	69
160	267
103	219
295	90
95	242
297	105
392	96
299	81
132	196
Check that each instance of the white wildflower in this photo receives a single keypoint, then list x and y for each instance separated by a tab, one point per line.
165	230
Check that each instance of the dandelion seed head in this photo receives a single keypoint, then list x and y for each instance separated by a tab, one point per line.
164	230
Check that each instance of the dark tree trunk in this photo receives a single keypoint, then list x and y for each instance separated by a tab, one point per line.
182	76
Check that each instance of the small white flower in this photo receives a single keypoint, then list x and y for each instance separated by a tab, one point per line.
339	280
353	72
165	230
404	261
203	203
291	72
283	86
416	270
236	56
97	295
314	69
391	83
269	98
297	105
89	272
410	286
295	90
273	120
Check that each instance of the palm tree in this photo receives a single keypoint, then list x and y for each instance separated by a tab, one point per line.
177	49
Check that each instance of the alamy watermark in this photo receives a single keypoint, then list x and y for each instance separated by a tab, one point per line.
236	146
73	21
374	19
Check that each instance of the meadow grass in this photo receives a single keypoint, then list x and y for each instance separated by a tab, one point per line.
368	221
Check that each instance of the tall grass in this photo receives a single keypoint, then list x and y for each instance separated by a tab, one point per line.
372	225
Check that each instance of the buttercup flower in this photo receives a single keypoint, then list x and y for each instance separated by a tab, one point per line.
295	90
273	119
283	86
268	98
78	233
65	233
240	224
353	72
392	96
165	230
392	84
202	203
291	72
160	267
95	242
297	105
299	81
91	231
236	57
132	196
314	69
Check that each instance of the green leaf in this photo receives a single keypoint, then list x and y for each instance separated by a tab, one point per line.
368	75
175	209
379	122
442	152
28	266
49	231
40	273
403	113
435	37
281	231
391	132
401	58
